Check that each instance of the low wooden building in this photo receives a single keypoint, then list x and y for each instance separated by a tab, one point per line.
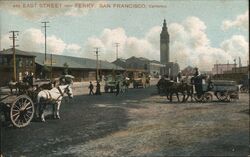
25	62
84	69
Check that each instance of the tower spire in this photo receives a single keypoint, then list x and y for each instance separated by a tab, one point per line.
164	23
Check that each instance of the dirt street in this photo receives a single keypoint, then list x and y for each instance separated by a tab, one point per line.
137	123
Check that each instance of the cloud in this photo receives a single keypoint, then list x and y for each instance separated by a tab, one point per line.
189	45
237	46
147	46
33	40
241	21
73	48
47	9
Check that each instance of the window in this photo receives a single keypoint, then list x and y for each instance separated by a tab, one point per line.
31	62
20	62
4	61
27	62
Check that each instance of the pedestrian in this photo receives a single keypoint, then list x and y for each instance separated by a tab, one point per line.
26	77
196	72
117	88
98	89
179	76
91	87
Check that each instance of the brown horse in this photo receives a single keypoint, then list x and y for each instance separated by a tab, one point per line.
170	87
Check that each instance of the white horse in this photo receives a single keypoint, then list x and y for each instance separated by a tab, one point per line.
54	97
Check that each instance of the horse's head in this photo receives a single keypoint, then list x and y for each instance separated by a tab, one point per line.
69	91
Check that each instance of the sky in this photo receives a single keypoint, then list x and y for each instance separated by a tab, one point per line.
202	32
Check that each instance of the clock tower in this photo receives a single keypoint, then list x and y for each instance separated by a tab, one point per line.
164	44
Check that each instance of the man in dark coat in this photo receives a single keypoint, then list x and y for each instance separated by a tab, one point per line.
197	82
117	88
91	87
98	88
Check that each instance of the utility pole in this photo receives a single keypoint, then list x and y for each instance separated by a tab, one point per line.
51	66
13	37
97	63
45	29
116	45
235	65
216	67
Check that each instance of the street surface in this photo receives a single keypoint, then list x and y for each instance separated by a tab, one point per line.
137	123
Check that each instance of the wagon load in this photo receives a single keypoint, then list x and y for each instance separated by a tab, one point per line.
224	85
224	90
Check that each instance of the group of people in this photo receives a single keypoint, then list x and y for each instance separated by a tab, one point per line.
91	88
98	88
28	78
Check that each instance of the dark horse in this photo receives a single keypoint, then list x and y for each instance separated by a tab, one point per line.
170	87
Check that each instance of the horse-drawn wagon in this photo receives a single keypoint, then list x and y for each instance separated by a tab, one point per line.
143	81
19	107
224	90
200	88
111	82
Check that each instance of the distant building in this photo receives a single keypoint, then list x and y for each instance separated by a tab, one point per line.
238	74
171	69
83	69
155	68
221	68
188	71
136	65
242	69
120	62
24	62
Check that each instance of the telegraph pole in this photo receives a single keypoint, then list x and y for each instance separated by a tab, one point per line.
116	45
13	37
97	63
51	66
216	67
235	65
45	29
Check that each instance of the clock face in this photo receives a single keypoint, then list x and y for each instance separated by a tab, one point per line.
163	47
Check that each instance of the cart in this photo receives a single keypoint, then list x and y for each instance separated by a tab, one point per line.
19	107
224	90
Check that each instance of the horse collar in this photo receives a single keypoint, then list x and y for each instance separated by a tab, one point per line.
60	91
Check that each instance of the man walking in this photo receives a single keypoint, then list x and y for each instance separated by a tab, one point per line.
117	88
91	87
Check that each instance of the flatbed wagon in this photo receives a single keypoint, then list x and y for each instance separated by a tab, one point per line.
224	90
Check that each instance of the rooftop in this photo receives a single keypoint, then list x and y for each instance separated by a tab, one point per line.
18	52
59	60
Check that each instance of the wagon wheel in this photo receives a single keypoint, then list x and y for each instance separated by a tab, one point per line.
22	111
222	96
198	98
208	97
244	90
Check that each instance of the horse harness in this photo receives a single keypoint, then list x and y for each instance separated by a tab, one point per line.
56	100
